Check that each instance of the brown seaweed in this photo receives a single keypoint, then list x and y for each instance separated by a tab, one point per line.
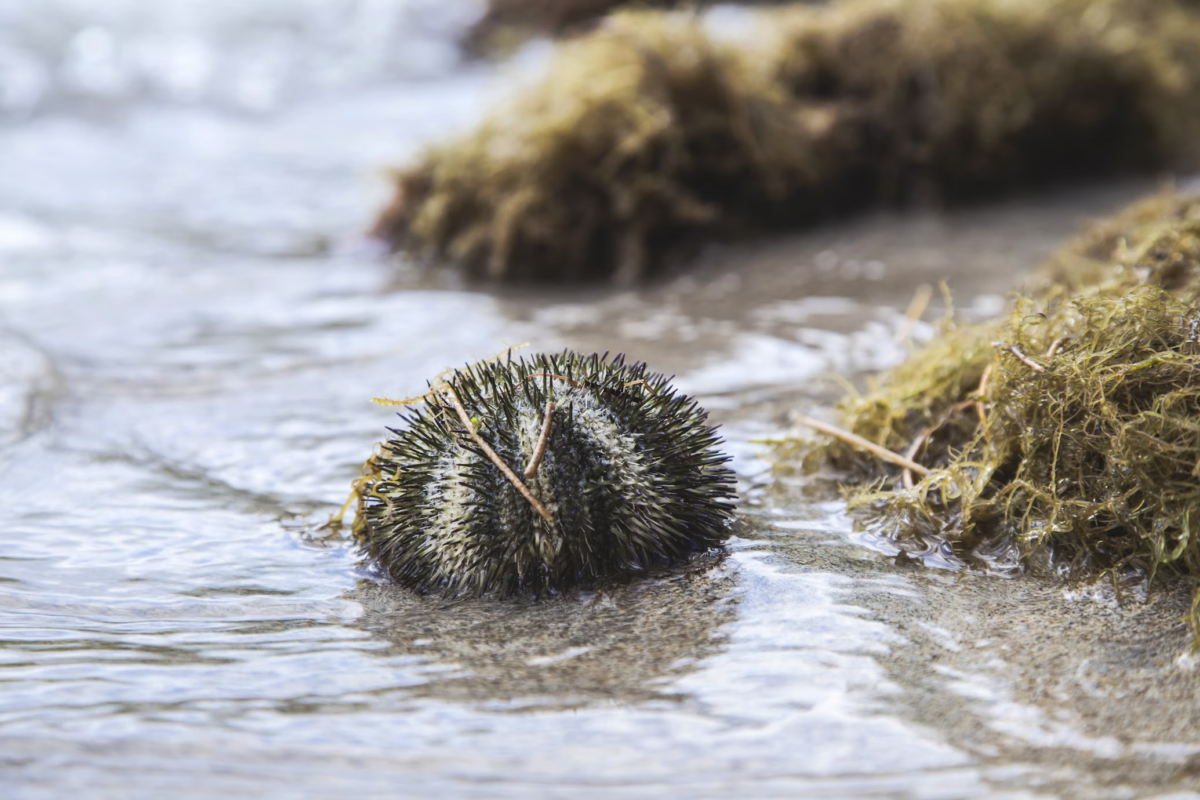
649	137
1068	433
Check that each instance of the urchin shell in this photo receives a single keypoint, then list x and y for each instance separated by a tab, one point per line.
630	475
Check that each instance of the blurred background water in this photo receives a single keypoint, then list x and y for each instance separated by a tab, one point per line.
191	328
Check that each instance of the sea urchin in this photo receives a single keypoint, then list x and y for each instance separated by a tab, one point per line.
531	476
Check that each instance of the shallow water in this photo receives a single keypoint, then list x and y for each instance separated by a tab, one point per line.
191	329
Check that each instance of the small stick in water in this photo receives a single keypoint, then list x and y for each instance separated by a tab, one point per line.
861	443
911	455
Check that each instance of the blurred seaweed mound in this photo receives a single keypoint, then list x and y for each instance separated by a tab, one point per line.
649	136
513	20
1067	435
506	23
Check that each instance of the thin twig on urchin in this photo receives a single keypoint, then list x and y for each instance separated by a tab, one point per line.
496	459
540	450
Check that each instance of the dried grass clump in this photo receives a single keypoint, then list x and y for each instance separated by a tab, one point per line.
648	136
1068	434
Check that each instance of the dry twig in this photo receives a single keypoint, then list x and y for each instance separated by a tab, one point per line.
1053	349
540	450
861	443
490	453
1016	353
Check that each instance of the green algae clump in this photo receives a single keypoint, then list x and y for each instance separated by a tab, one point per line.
649	136
1067	435
534	476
